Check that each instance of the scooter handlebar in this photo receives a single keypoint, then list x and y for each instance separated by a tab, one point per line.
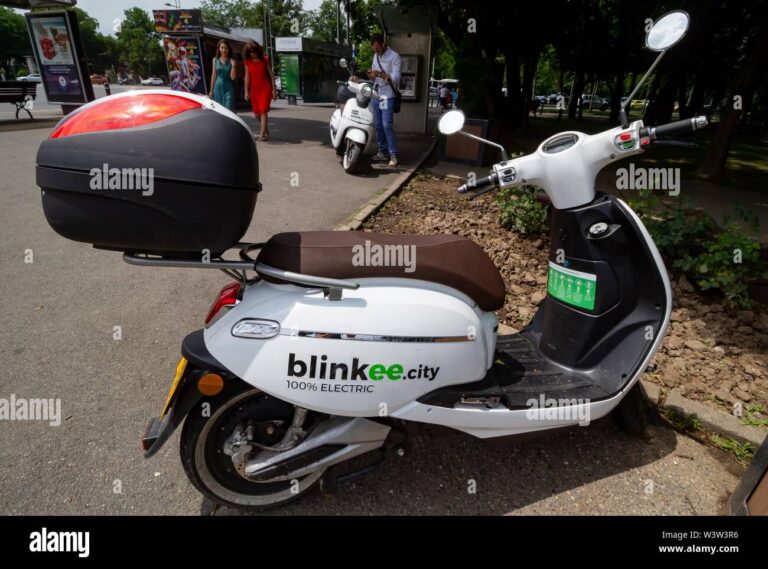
486	184
673	128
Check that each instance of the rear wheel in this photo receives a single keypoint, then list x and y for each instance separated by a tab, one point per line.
352	157
207	448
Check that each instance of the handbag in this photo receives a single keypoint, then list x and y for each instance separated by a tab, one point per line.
398	94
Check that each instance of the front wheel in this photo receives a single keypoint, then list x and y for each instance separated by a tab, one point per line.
352	157
207	448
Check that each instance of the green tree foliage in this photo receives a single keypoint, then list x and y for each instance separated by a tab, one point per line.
14	41
101	52
233	13
139	44
285	15
322	22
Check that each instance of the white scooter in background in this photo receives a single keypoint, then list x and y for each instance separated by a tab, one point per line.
352	126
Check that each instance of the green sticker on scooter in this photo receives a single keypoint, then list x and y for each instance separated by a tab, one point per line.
572	287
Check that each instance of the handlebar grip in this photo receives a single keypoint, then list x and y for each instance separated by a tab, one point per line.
678	127
489	182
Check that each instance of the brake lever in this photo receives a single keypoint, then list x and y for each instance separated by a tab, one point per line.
679	143
481	192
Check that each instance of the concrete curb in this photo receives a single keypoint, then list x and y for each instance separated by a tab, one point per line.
14	125
712	420
356	220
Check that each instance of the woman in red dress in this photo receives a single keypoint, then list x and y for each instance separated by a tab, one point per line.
259	84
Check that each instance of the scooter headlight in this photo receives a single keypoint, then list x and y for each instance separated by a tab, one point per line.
366	91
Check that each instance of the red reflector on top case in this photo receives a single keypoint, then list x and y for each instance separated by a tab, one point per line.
125	112
625	136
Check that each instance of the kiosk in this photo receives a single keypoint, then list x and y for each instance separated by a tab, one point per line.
310	68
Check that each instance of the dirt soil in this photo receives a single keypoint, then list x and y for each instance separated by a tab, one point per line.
711	354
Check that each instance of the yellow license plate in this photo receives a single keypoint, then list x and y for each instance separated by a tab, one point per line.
176	380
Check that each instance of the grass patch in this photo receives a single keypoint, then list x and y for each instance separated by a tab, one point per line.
742	451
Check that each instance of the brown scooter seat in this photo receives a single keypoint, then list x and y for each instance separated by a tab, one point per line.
450	260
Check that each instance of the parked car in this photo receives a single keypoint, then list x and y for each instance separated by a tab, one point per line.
552	98
98	79
597	103
32	77
153	81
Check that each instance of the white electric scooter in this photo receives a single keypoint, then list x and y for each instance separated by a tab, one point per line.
329	343
322	359
352	127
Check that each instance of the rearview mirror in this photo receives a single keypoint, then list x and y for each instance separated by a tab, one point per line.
667	31
343	63
451	122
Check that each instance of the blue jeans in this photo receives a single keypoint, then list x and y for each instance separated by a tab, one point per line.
385	131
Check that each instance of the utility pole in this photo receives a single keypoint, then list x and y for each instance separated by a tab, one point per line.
268	32
349	33
338	17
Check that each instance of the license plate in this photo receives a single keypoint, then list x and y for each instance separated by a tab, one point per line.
176	380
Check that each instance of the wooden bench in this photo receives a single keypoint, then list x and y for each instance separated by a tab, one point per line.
18	93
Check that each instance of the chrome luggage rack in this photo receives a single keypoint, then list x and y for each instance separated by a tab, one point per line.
238	269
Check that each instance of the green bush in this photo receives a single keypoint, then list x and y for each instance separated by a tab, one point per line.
520	210
677	231
724	259
22	73
729	262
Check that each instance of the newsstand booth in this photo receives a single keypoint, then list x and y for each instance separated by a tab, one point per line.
190	46
94	168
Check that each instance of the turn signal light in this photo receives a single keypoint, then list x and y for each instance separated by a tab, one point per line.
210	384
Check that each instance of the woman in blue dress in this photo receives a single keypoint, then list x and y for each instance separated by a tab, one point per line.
223	76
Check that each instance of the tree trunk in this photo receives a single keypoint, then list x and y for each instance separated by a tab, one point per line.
714	164
616	95
514	101
578	87
529	71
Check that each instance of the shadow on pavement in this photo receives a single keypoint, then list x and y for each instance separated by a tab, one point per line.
285	130
433	477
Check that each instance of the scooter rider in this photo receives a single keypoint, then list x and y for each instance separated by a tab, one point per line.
385	72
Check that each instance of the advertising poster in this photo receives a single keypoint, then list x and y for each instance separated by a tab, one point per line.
183	56
290	81
175	21
54	47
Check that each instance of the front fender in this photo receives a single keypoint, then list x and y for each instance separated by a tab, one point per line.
356	135
184	394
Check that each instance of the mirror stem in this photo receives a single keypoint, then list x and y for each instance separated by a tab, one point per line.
623	113
504	155
623	118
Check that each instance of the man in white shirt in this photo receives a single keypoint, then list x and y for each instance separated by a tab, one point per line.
444	94
385	72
